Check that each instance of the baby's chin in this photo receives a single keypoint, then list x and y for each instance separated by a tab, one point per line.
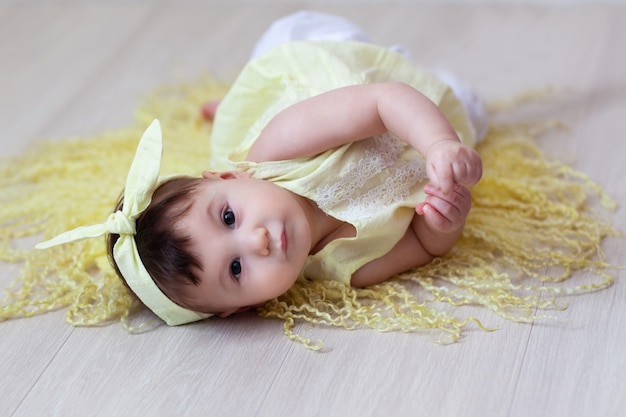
239	310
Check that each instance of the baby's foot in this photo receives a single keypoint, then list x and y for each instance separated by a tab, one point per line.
209	109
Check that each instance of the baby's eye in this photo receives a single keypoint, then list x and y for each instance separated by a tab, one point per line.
235	269
228	217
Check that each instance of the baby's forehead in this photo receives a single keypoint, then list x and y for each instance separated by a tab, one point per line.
173	200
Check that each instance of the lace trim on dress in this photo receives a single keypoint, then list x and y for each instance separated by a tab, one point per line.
352	188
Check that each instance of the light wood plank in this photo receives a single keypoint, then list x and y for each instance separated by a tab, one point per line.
28	346
52	54
245	366
199	369
580	368
44	66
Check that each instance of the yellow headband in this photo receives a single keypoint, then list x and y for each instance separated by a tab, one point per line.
141	182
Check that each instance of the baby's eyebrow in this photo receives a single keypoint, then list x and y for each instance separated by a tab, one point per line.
222	275
222	264
214	208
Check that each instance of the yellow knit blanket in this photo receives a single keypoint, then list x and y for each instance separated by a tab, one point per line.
534	233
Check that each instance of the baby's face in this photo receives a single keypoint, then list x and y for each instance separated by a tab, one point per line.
252	238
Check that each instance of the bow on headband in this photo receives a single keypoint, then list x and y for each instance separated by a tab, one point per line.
141	182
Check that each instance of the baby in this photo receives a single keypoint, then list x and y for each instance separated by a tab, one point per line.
335	158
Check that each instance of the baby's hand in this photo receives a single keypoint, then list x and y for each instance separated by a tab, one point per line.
450	163
445	212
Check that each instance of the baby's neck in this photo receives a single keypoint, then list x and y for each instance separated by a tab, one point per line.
324	228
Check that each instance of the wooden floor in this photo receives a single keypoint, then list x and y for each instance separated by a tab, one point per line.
76	69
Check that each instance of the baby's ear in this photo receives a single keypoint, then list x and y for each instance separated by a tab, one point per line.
225	175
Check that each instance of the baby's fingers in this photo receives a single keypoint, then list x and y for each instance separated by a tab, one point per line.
437	220
469	169
442	176
445	212
451	163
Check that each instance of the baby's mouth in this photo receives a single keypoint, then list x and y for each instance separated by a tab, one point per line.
284	242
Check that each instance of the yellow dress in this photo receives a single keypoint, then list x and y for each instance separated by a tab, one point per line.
374	184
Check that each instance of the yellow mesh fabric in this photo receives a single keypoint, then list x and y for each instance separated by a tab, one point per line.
534	233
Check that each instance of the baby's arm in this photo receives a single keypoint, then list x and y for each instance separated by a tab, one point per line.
436	226
357	112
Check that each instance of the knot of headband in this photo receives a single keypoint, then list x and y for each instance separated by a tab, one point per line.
142	180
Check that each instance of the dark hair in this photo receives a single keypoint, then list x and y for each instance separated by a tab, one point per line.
163	251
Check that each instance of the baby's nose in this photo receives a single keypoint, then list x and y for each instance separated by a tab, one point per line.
258	241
